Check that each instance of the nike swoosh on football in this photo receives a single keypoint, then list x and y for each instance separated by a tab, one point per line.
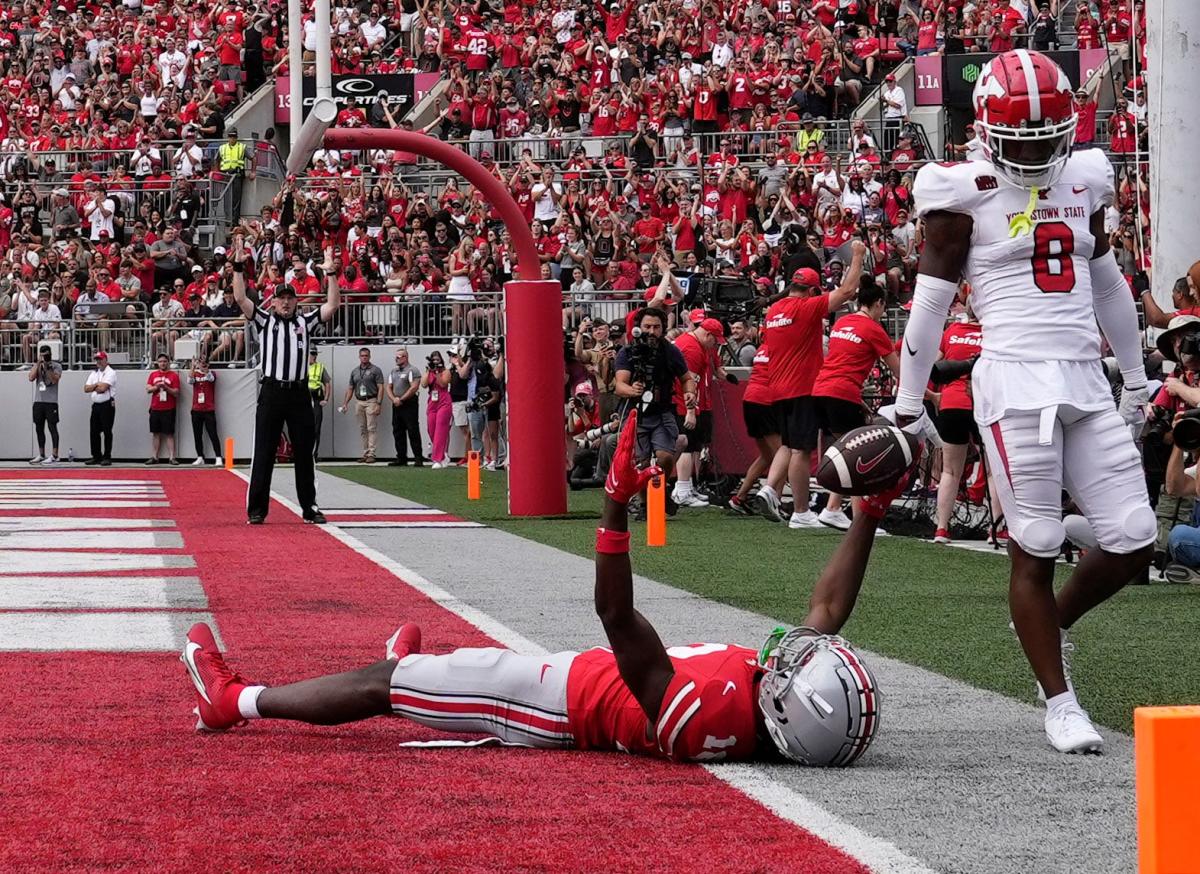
872	464
908	346
188	654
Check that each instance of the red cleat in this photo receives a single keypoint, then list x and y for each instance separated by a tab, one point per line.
217	685
405	641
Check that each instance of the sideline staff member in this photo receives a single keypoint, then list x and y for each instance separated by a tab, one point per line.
319	386
284	335
102	386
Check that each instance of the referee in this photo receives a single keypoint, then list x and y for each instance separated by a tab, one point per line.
284	335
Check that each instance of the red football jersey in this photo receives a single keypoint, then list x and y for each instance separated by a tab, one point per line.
758	387
699	362
794	333
161	399
960	341
708	713
855	343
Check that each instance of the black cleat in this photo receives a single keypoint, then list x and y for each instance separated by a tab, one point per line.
256	520
316	518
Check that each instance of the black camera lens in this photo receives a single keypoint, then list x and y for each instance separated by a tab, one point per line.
1187	431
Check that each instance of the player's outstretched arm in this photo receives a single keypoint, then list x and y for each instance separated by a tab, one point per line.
947	242
640	654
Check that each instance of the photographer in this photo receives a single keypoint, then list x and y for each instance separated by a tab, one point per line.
646	372
695	423
436	382
45	376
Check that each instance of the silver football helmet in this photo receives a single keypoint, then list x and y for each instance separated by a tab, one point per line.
819	700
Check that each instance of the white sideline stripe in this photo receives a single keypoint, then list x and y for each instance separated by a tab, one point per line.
78	523
28	561
100	593
96	632
76	504
92	540
65	486
394	511
879	855
400	523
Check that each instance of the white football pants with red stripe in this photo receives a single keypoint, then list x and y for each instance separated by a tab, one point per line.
1034	454
518	699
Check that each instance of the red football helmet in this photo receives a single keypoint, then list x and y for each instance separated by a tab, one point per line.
1025	117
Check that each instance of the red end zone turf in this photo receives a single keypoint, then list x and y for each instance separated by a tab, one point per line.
104	770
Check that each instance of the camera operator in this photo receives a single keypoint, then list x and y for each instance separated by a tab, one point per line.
483	391
697	346
646	372
594	438
45	376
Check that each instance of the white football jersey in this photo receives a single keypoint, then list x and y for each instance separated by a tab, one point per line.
1032	293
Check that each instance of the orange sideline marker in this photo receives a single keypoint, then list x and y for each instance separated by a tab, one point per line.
472	476
656	512
1166	750
229	453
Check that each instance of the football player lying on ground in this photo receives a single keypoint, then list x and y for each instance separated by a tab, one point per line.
804	694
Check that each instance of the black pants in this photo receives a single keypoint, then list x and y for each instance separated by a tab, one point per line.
45	415
318	413
101	427
235	197
406	422
276	407
205	421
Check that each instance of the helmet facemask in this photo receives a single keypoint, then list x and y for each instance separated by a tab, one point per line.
1029	157
818	700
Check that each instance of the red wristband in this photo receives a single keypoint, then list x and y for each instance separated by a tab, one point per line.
612	542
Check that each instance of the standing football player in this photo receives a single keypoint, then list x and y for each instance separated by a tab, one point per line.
804	695
1026	229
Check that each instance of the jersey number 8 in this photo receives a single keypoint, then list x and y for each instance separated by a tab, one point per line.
1053	269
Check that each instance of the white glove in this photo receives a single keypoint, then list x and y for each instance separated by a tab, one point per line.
922	427
1132	408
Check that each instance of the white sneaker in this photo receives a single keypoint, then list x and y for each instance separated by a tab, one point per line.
198	462
218	462
1070	730
37	459
766	505
51	460
437	465
834	519
881	532
691	499
807	519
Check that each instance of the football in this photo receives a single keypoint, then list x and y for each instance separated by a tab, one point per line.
867	460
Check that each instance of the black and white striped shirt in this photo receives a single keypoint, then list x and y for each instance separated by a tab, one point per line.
284	343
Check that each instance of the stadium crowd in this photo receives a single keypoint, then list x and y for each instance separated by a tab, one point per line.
648	146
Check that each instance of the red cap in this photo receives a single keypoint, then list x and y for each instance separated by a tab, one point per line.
715	328
696	316
807	277
101	355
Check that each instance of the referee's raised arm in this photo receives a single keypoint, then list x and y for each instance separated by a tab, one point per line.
239	278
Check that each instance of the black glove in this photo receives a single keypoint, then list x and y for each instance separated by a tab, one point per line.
731	378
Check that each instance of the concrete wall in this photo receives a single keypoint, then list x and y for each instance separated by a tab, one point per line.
237	392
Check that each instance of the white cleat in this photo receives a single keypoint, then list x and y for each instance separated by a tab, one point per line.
807	519
1070	730
834	519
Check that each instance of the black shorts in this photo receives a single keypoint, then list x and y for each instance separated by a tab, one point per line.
837	416
798	422
957	427
162	422
701	435
760	419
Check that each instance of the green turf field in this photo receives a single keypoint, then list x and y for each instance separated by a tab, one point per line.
939	607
